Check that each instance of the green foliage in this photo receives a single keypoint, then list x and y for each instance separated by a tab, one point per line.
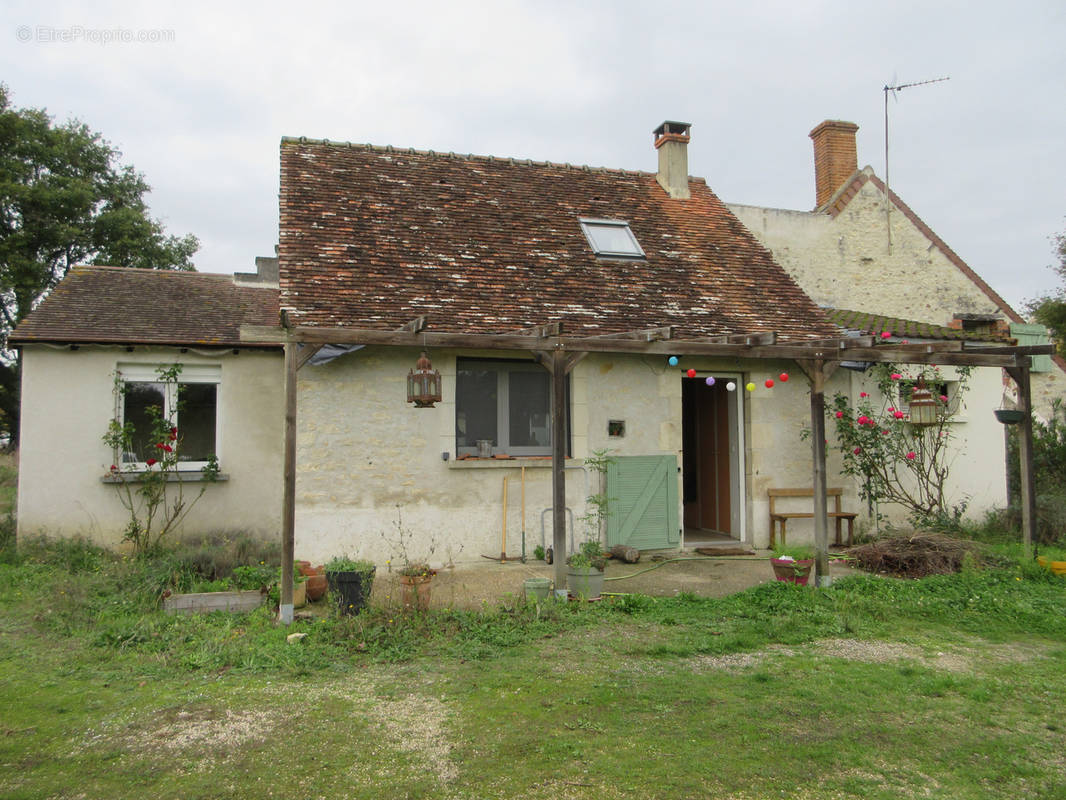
154	496
65	200
1049	472
589	554
799	552
1050	309
894	460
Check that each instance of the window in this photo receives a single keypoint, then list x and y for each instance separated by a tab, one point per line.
505	402
190	404
609	237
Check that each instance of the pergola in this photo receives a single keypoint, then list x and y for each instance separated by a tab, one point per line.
818	359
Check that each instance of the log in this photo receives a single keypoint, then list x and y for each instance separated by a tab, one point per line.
623	552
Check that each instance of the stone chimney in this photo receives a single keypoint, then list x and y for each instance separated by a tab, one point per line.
835	157
671	140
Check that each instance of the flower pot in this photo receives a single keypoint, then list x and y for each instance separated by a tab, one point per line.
316	580
416	591
791	571
537	588
1009	416
350	590
299	594
584	582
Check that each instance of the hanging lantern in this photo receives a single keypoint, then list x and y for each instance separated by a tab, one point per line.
922	406
423	383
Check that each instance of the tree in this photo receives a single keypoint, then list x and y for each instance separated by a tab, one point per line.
65	200
1050	309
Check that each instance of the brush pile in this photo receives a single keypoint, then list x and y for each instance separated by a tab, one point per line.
916	554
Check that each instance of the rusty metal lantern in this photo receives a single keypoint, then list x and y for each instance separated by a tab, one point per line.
423	383
922	406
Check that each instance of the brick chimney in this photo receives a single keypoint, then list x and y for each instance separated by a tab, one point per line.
835	157
671	140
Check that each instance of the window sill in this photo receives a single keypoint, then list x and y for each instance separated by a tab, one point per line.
172	477
543	462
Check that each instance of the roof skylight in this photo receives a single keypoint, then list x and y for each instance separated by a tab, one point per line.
611	237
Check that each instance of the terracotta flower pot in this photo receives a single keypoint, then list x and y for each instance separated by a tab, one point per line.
316	580
416	591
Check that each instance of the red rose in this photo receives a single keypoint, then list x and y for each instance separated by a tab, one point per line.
857	450
840	414
150	461
911	456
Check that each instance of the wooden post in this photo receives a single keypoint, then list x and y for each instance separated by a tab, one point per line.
817	373
288	502
1025	456
558	387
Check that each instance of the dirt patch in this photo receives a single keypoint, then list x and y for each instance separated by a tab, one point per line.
418	725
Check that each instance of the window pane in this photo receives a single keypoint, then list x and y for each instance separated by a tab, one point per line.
196	421
144	403
475	406
529	397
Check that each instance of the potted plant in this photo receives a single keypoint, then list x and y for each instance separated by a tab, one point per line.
584	578
350	582
415	577
316	580
793	563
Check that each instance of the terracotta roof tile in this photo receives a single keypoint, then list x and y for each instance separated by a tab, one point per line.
372	237
905	328
147	306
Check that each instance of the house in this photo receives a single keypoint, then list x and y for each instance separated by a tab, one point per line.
864	249
674	340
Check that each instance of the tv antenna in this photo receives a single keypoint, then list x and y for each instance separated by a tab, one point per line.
894	89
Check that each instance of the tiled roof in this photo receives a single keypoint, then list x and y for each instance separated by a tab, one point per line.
372	237
905	328
147	306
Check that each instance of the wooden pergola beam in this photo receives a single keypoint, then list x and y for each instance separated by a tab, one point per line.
792	351
647	334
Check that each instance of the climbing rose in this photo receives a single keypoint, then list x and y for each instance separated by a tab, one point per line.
114	468
891	410
150	461
898	415
895	376
840	414
886	334
862	420
943	398
173	434
863	394
911	456
857	450
884	433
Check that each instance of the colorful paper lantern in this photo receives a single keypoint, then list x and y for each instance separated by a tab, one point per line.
709	381
731	387
783	377
769	383
672	361
750	387
691	373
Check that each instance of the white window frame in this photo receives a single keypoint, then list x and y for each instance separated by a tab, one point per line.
190	373
588	225
504	369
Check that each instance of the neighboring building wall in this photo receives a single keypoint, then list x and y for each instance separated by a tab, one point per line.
69	399
845	261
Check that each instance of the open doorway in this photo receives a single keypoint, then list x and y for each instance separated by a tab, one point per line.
712	466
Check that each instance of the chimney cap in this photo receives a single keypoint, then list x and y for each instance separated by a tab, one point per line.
670	126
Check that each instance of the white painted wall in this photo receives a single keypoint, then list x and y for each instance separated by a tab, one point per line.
67	400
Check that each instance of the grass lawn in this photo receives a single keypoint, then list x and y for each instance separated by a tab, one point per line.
949	687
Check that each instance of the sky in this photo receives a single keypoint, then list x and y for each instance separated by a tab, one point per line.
197	96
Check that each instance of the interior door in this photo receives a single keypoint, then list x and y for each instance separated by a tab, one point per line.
706	435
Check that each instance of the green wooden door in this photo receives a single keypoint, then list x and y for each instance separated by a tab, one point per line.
642	502
1033	334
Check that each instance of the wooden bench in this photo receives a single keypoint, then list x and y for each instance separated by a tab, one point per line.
783	517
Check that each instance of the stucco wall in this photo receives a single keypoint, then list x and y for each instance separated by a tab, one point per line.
366	459
67	400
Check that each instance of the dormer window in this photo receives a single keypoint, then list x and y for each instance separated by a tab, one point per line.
611	238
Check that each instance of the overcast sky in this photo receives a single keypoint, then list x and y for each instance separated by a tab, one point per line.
201	104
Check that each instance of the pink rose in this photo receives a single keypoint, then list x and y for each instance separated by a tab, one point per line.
886	334
895	376
863	394
943	398
840	414
911	456
898	415
857	450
